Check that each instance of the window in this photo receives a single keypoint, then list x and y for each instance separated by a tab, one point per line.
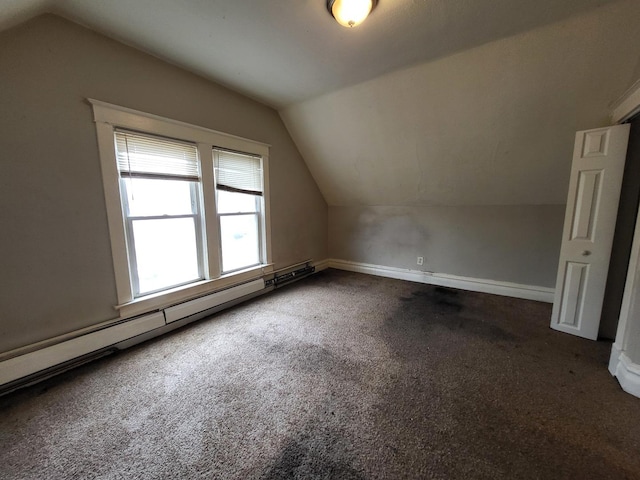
188	207
239	205
159	185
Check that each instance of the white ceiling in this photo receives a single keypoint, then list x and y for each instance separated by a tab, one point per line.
429	102
492	125
282	52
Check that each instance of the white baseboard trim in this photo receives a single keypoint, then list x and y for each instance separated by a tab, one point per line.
614	359
627	372
321	265
507	289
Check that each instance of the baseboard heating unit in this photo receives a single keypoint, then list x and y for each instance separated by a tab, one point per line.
22	370
207	302
24	366
36	362
289	275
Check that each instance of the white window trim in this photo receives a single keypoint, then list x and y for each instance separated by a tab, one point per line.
108	117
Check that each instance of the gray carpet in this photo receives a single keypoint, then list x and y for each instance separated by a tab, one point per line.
339	376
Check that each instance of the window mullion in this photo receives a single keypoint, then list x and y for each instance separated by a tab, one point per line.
209	217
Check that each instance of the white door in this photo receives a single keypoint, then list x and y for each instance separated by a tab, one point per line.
589	224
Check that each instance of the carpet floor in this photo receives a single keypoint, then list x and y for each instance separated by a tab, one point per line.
338	376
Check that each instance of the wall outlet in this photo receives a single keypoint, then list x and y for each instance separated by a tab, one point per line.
420	260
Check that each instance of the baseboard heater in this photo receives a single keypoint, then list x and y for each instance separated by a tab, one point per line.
56	355
55	370
26	369
280	279
207	302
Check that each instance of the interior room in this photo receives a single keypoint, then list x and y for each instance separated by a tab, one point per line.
263	240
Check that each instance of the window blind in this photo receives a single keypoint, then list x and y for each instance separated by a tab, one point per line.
145	155
238	172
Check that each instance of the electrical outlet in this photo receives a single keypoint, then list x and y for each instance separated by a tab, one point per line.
420	260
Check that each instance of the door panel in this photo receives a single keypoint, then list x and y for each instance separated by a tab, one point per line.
592	205
587	200
575	279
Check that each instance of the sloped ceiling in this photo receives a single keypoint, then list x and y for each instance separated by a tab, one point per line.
429	102
493	125
284	51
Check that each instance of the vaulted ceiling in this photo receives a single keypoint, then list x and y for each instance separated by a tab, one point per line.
285	51
491	125
429	102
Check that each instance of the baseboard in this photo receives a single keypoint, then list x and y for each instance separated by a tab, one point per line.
507	289
614	359
627	372
321	265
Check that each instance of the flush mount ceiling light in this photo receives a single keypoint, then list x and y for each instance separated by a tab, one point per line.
350	13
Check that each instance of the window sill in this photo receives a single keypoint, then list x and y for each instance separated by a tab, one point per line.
158	301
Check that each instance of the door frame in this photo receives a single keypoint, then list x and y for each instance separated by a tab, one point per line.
628	105
620	365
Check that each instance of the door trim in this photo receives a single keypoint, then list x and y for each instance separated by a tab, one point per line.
620	366
627	372
628	105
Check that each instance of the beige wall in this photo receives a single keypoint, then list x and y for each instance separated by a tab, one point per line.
56	271
416	150
506	243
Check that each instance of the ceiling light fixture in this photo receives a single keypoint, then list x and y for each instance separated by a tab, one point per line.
350	13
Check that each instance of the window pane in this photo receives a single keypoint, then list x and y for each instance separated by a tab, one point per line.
166	252
240	247
233	202
152	197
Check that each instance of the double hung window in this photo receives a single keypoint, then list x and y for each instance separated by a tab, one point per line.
239	204
159	185
187	207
